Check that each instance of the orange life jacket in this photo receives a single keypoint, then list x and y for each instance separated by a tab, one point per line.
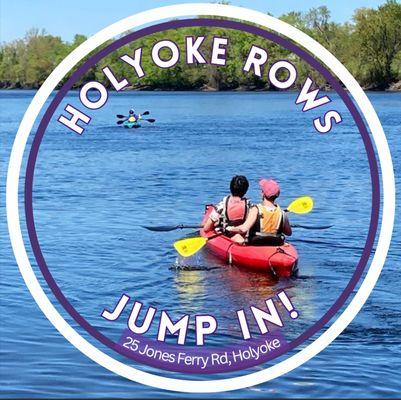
235	211
269	219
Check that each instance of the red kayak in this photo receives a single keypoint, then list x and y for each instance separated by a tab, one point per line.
281	261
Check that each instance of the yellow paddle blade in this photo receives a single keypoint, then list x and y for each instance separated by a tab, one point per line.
301	205
188	247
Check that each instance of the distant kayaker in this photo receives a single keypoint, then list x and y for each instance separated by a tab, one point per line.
265	221
233	209
134	117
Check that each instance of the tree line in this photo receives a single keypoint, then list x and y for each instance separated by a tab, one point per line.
369	46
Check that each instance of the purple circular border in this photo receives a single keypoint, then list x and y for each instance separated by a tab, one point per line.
30	169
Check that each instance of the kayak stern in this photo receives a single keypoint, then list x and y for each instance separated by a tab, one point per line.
280	261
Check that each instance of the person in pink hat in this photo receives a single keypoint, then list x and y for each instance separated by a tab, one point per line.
266	222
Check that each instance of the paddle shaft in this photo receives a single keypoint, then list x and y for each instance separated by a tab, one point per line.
151	120
312	227
168	228
124	116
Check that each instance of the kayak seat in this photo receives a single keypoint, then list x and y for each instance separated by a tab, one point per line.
266	239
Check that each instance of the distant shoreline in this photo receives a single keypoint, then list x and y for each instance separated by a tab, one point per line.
369	46
392	89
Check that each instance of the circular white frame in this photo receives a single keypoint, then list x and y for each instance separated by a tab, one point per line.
190	10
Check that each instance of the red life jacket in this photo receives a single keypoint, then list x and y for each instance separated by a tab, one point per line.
235	211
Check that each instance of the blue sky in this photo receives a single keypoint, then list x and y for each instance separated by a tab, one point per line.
65	18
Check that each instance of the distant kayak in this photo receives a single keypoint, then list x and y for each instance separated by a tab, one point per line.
128	124
132	120
280	261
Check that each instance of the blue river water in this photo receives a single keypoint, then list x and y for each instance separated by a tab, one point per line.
93	192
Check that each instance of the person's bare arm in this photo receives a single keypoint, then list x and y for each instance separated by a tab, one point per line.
209	225
214	218
248	224
287	230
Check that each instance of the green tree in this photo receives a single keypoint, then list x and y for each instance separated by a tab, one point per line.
378	42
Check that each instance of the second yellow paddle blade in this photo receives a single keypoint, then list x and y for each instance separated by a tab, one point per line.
301	205
188	247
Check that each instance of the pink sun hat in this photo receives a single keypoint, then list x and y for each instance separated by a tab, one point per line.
269	187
